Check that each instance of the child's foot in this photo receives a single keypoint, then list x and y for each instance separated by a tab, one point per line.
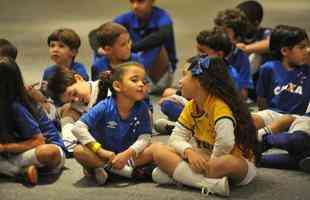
304	164
99	174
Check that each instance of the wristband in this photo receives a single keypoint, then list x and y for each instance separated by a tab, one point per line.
95	147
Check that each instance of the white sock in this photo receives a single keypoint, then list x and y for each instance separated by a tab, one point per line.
161	177
263	131
184	174
126	171
27	158
8	168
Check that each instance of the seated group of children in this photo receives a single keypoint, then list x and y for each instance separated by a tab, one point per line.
106	124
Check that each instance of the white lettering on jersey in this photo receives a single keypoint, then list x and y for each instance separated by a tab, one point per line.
292	88
111	124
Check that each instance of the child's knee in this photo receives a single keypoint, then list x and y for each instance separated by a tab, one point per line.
79	151
48	153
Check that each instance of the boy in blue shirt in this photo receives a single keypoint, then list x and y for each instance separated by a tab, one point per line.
284	83
63	47
235	23
256	43
151	30
114	48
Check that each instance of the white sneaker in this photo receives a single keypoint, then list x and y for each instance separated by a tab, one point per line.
100	175
164	126
125	172
217	186
161	177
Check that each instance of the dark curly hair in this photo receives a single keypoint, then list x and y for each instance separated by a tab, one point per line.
234	19
216	80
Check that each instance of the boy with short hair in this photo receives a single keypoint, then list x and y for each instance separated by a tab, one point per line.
151	29
63	47
235	24
284	84
114	48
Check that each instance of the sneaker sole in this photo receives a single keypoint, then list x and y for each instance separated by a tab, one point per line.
305	164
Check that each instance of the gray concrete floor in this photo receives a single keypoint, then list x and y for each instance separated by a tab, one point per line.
28	23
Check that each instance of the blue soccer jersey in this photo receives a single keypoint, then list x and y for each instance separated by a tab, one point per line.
77	67
240	61
159	18
102	63
26	125
114	133
235	77
285	90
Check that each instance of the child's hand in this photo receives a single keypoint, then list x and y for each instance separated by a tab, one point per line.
120	160
242	46
197	162
106	155
67	111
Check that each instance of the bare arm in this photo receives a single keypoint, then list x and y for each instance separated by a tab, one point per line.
256	47
23	146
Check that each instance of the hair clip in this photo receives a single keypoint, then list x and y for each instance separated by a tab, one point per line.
201	66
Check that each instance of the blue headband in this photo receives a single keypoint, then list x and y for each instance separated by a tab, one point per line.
201	66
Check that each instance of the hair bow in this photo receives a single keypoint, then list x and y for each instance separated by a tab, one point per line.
201	66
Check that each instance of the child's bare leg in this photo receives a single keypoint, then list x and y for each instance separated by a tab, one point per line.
258	121
48	155
228	165
86	157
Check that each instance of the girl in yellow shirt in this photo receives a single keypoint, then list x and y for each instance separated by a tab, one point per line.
220	123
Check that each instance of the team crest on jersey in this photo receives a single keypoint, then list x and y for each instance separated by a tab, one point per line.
292	88
111	124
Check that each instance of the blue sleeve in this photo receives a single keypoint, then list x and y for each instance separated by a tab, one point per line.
47	72
264	82
49	129
44	78
94	73
26	124
235	77
93	116
82	71
245	73
122	19
164	19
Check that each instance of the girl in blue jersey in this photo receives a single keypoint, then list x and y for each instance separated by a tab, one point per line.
28	139
219	121
115	134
